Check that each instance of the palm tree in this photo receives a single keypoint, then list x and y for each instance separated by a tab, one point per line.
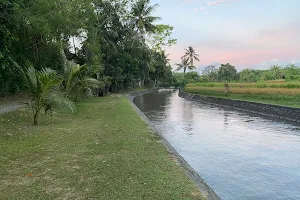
141	18
276	72
184	65
191	55
43	89
76	82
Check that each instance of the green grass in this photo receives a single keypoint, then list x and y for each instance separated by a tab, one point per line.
105	151
282	100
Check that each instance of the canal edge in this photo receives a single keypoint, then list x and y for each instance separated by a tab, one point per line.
276	112
204	188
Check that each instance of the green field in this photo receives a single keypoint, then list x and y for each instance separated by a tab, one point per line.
105	151
276	92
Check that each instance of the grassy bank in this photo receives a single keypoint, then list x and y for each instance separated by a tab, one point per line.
105	151
277	93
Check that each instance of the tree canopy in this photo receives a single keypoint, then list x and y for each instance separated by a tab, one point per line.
109	38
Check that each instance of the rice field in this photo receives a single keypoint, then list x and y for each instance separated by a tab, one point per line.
246	90
272	92
289	85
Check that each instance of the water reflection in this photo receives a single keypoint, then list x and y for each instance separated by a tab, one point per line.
187	118
240	155
226	115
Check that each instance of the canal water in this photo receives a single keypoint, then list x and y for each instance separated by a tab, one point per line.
239	155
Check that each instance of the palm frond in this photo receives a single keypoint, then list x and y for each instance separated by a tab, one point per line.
42	88
28	76
180	67
72	72
48	79
90	82
58	100
150	9
196	58
141	19
191	67
151	19
86	92
191	55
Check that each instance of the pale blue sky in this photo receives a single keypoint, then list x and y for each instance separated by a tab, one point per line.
246	33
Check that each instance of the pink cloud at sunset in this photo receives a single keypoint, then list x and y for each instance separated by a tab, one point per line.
279	44
245	33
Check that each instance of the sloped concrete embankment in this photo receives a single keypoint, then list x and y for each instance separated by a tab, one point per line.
271	111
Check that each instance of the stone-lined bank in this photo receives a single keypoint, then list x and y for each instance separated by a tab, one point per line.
273	111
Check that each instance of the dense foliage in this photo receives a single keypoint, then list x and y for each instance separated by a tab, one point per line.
228	73
117	42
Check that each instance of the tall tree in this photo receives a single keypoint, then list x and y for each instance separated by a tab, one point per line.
161	68
227	72
184	65
276	71
211	73
247	75
9	22
141	17
161	38
112	35
191	55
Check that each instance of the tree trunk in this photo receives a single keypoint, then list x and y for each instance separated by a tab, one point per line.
35	117
143	82
74	46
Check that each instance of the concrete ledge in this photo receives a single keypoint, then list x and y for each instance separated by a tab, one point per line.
206	191
271	111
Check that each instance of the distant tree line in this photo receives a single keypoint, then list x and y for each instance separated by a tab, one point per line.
228	73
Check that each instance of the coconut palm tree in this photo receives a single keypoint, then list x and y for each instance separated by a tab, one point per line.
76	82
184	65
191	55
43	88
141	18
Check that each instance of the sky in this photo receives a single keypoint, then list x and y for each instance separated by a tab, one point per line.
244	33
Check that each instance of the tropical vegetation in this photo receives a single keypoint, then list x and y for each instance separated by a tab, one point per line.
96	47
43	89
119	43
228	73
277	85
80	49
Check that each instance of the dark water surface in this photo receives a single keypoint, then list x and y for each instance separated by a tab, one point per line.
238	155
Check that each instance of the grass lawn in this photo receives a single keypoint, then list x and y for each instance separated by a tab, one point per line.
105	151
274	99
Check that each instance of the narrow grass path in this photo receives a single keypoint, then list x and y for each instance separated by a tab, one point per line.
10	107
105	151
